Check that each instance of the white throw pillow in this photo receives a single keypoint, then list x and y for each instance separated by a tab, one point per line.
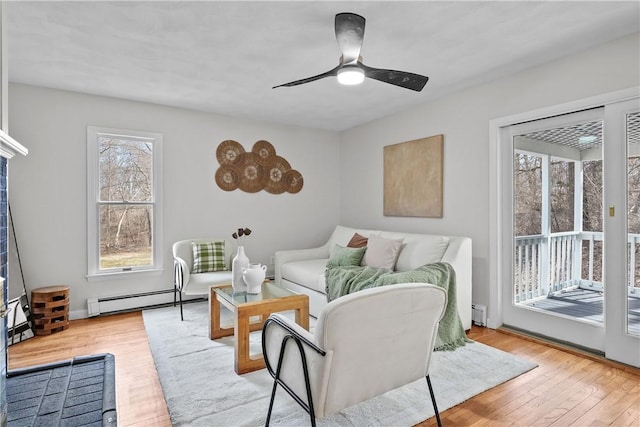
421	249
382	253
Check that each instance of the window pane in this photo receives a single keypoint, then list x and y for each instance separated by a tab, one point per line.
125	236
633	206
634	194
125	169
633	221
527	181
592	196
592	219
562	192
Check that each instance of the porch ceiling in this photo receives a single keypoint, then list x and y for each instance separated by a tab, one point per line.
579	139
583	136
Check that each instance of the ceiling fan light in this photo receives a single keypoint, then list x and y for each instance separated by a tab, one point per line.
350	76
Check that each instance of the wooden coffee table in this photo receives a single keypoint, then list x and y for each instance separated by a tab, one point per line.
244	306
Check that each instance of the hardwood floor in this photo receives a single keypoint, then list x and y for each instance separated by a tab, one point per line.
566	389
139	396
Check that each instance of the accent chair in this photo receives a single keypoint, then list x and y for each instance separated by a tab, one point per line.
364	344
187	281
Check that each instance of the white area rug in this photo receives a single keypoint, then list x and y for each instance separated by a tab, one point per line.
202	389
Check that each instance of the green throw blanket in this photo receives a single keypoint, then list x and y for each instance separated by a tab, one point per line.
345	280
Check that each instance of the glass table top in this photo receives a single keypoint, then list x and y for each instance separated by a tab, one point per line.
269	292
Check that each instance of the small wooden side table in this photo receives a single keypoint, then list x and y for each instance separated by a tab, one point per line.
50	309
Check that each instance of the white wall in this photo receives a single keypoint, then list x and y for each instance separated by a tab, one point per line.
342	173
47	189
463	118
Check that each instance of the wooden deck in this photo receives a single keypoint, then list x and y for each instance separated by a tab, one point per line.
586	304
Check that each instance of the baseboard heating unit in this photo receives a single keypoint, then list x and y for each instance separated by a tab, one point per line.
122	303
479	314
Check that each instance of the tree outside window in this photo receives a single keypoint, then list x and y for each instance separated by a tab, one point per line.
126	202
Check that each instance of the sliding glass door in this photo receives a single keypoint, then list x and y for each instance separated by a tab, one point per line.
556	213
572	229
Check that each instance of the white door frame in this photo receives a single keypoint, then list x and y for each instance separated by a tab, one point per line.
497	201
619	344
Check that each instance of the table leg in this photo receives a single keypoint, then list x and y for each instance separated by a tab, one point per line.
215	330
302	316
243	361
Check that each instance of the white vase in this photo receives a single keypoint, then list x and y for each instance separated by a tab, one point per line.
253	276
239	263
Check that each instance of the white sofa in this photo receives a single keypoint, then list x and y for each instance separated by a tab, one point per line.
303	270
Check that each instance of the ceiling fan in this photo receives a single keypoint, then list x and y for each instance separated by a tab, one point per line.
351	70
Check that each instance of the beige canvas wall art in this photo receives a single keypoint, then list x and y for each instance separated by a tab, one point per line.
413	178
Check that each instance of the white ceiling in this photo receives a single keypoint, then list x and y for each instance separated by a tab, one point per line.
224	57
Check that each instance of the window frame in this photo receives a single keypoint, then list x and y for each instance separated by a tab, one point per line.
93	204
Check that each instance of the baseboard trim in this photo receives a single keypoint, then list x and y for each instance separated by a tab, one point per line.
569	348
78	314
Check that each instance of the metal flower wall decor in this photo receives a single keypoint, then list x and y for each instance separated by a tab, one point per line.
259	169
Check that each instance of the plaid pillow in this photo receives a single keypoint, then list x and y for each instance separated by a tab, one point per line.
208	257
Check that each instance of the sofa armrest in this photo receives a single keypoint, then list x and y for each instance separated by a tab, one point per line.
283	257
290	327
459	255
292	357
181	273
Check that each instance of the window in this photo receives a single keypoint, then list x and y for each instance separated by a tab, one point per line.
124	209
562	195
527	182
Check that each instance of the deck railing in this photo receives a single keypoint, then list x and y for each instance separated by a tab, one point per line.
574	260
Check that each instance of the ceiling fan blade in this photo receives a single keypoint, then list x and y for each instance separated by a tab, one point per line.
349	34
329	73
398	78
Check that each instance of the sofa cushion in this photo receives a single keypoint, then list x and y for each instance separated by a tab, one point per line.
419	250
357	241
343	257
341	235
308	273
200	283
381	252
208	257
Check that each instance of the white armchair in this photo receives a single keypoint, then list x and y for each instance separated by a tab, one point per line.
364	344
197	284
